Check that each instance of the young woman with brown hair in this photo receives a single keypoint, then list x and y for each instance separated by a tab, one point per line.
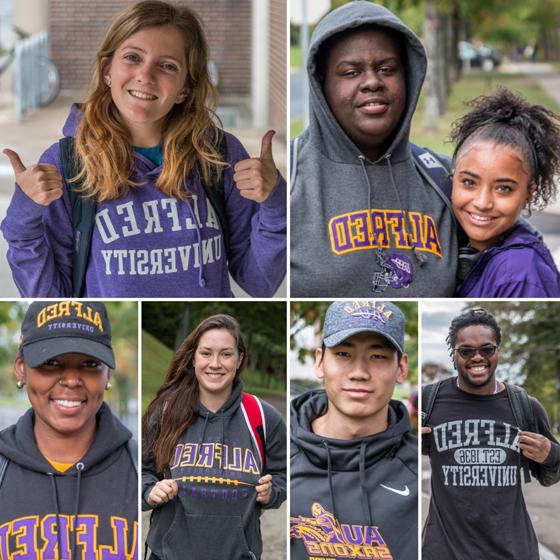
147	150
204	474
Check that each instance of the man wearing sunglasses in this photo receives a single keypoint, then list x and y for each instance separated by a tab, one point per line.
477	448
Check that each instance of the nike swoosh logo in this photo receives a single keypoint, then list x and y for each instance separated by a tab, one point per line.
404	492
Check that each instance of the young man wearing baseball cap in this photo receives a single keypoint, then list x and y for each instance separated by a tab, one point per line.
353	457
68	483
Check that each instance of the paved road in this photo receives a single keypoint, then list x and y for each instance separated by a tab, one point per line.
297	102
543	505
548	77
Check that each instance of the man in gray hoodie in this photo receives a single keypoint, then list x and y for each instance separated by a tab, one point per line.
364	221
354	476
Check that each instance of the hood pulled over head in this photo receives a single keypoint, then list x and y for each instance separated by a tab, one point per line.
352	15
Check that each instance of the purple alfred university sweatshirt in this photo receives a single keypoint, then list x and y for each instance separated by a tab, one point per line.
147	244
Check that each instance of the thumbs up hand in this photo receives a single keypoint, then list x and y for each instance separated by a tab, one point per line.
256	177
42	182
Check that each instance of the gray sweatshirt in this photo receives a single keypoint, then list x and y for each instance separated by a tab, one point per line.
361	227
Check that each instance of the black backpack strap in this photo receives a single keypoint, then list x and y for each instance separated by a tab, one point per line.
429	393
434	172
83	215
215	191
132	448
3	466
524	418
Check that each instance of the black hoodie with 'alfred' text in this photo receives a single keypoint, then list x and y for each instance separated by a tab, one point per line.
90	511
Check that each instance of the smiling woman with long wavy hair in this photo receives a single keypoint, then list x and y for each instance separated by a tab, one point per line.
146	196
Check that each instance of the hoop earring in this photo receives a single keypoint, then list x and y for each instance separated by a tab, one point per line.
20	384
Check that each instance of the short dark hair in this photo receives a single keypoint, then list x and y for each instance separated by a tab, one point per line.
474	316
322	55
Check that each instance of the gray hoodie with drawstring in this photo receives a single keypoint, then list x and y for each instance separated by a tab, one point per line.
361	227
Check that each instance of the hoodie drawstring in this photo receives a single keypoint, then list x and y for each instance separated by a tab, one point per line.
366	508
79	467
57	512
223	427
201	279
202	439
330	476
368	182
420	257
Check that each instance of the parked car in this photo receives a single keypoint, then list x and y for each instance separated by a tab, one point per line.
480	56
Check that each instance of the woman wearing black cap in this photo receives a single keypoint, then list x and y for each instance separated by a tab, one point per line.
68	482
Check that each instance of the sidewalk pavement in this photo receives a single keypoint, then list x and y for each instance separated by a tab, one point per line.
43	128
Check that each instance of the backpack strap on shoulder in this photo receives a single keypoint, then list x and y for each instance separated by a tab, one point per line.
132	449
524	418
83	215
429	393
3	466
254	417
434	172
293	162
215	190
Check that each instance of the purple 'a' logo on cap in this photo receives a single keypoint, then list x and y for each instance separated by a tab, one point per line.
370	314
396	271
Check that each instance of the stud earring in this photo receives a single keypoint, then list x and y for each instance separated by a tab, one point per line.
108	386
20	383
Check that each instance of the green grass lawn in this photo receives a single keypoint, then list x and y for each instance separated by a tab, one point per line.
470	86
295	57
156	358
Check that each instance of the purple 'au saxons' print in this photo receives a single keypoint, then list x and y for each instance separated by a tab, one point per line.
325	537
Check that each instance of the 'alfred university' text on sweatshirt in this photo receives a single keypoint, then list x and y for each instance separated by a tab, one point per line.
147	244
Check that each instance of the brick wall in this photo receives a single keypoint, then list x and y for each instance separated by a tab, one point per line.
77	27
277	65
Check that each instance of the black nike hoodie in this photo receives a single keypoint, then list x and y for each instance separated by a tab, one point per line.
95	502
352	498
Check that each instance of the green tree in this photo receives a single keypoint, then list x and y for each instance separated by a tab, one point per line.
263	326
530	348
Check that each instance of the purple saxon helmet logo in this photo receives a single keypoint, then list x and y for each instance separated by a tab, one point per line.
396	271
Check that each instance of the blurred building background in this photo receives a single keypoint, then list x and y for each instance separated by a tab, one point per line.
247	40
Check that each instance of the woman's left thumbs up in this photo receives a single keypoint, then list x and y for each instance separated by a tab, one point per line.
256	177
